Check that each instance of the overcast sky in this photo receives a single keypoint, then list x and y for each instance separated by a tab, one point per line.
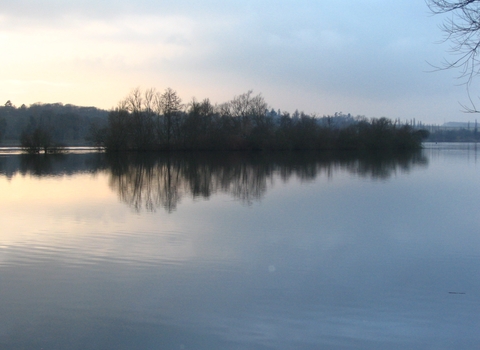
365	57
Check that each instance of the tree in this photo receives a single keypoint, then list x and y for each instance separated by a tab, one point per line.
3	127
170	104
462	30
117	135
198	123
140	118
37	139
97	135
251	111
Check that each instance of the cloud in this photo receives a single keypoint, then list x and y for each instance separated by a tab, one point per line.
360	51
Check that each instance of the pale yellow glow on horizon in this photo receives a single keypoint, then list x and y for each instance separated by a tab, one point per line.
88	62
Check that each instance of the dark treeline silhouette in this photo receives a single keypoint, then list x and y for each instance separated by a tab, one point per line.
44	126
148	181
159	121
150	120
454	135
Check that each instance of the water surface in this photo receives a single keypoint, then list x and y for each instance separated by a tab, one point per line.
262	251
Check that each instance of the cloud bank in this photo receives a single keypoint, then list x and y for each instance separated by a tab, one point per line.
364	57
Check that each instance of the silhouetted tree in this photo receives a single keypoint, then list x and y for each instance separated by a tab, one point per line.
170	107
140	119
3	127
36	140
462	30
199	124
97	135
251	110
117	136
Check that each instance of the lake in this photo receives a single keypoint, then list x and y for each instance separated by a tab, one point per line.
241	251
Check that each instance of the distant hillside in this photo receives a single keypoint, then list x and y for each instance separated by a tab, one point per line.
459	125
454	132
68	124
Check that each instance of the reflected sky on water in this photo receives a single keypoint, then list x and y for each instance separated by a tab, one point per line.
262	251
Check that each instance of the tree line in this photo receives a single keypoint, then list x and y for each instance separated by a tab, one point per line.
48	125
153	120
458	135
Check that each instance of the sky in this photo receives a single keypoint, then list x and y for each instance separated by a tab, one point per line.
364	57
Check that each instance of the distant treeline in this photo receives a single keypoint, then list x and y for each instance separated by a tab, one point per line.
60	124
151	120
454	135
157	121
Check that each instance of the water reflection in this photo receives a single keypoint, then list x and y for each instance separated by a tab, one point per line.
152	181
349	254
51	164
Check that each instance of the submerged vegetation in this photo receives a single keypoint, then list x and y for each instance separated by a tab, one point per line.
159	121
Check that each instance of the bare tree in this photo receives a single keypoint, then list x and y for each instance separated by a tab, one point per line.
131	124
134	101
462	30
170	105
250	109
149	100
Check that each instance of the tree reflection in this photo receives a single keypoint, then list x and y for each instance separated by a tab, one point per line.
152	181
148	181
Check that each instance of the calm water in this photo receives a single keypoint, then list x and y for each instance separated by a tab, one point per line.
241	252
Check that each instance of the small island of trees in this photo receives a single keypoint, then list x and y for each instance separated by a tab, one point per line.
150	120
